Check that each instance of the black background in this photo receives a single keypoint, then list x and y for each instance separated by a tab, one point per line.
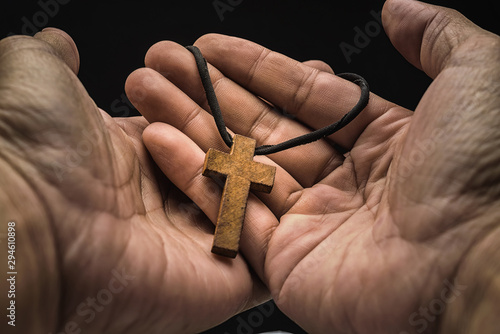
113	37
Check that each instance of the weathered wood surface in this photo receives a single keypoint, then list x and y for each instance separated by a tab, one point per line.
241	174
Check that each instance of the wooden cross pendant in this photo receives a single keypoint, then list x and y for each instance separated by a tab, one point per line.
241	174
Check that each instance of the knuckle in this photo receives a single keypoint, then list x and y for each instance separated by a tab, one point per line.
261	58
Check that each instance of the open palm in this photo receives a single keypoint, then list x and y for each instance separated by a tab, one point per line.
357	242
106	243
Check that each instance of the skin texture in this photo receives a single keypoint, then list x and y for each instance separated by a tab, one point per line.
362	242
100	230
345	243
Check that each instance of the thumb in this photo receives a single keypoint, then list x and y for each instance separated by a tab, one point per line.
431	37
63	44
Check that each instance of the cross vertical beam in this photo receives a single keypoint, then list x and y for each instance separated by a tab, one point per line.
241	174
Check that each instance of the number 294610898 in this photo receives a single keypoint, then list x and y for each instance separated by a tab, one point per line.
11	246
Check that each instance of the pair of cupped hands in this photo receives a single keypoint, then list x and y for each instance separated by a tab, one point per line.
110	241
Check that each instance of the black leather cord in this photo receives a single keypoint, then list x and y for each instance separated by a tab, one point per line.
201	63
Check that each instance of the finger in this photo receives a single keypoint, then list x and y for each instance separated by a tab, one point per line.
243	112
163	102
63	44
159	100
56	42
42	100
315	97
429	36
319	65
456	117
38	84
181	159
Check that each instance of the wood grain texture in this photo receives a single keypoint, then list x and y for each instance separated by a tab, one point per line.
241	175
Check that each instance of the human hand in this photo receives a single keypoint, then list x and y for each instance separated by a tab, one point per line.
361	242
105	243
